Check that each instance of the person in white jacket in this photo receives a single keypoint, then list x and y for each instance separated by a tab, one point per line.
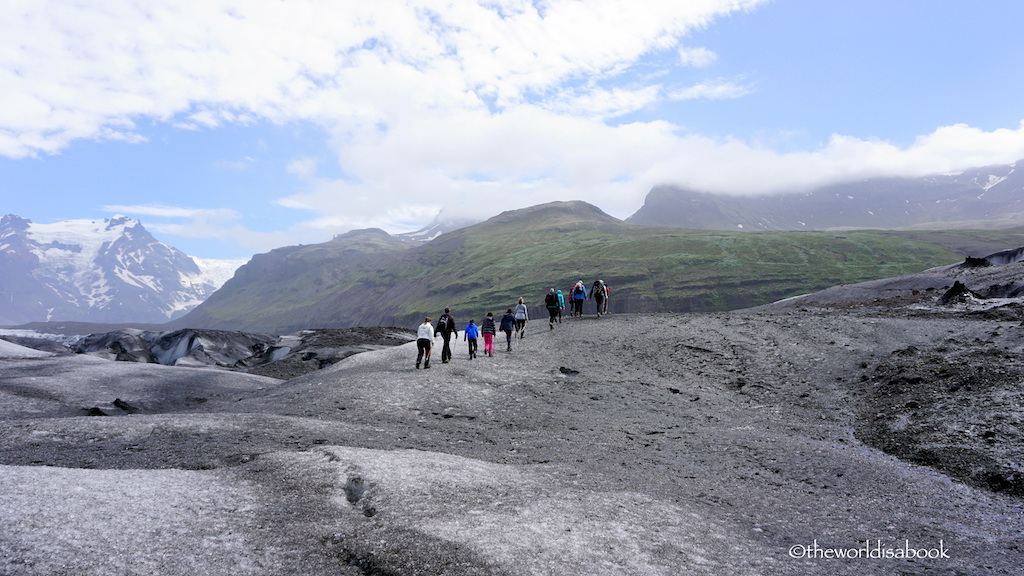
522	315
424	342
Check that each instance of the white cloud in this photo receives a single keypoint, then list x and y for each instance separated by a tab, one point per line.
473	107
716	89
217	224
89	70
696	57
165	211
736	167
303	167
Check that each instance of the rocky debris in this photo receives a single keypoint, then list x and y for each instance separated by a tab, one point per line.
973	262
958	293
118	403
953	406
997	276
1006	257
312	350
281	357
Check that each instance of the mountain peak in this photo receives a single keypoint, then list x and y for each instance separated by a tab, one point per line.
119	221
13	223
572	211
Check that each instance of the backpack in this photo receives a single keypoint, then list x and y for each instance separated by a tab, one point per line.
551	301
442	324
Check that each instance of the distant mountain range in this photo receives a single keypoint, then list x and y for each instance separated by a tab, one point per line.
109	270
113	271
369	278
977	198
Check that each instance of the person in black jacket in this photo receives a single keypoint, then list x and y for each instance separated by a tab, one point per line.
446	327
551	303
508	324
599	294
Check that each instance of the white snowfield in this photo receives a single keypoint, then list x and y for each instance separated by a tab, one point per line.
10	350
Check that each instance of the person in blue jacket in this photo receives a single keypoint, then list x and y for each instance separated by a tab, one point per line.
578	295
470	334
561	304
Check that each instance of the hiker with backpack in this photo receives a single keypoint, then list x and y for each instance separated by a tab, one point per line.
599	293
446	327
561	304
578	294
508	324
488	331
551	303
424	342
471	332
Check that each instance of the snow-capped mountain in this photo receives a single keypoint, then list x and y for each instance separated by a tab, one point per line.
109	270
442	224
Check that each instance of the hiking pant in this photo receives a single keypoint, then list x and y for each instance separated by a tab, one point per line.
488	343
508	337
577	307
520	325
472	347
446	351
552	315
599	304
423	347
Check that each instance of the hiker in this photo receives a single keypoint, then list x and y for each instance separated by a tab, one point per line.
522	315
561	304
471	332
424	342
508	324
551	303
578	294
599	293
446	327
488	331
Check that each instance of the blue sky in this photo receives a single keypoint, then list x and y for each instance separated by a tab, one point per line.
233	127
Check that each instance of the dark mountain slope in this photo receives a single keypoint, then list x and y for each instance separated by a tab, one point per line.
294	287
981	197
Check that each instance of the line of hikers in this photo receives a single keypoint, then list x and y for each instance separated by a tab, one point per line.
512	322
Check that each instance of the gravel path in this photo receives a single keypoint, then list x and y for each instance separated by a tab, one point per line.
736	443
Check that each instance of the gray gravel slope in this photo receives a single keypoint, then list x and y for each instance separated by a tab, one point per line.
641	444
